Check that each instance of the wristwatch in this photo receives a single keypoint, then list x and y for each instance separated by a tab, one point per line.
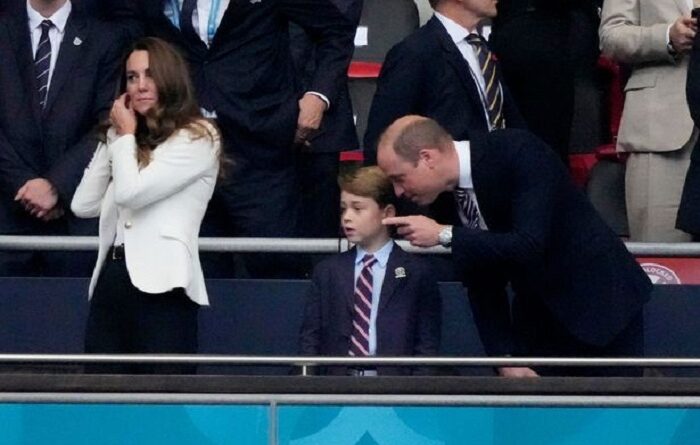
445	236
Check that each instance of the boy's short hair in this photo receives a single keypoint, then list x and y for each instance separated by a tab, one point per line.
368	182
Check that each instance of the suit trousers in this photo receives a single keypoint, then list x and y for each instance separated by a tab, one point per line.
653	189
540	334
125	320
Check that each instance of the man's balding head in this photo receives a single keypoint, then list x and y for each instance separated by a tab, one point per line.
418	156
408	135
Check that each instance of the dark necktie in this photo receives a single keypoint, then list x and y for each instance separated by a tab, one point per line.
492	91
359	340
468	210
42	62
188	8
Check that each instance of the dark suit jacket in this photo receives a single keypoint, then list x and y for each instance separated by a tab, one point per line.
426	74
247	75
547	240
408	321
337	132
55	143
689	209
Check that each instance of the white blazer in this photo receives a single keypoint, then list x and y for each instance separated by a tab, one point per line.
162	205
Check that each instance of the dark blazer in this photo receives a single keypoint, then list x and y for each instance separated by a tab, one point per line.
426	74
337	132
546	239
55	143
408	321
247	75
689	208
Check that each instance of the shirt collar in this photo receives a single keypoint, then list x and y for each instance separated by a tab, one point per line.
59	18
456	31
381	255
464	154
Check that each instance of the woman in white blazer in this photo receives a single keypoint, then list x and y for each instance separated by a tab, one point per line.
150	181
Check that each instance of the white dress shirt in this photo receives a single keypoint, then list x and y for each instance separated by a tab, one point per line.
464	155
458	34
56	33
378	273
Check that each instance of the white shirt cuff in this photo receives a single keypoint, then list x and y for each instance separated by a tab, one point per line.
323	98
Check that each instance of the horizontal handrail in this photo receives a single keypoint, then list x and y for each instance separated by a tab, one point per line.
239	360
298	245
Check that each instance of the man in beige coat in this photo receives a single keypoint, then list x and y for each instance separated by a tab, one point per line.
654	37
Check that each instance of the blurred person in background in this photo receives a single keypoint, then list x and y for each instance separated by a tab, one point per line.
58	72
655	38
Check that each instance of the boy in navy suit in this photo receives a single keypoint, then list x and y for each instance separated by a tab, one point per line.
374	299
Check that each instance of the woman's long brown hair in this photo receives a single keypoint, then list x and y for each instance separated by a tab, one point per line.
177	106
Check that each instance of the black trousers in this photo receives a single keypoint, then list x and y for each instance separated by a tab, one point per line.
125	320
540	334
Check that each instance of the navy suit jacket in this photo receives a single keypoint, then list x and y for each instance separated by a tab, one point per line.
408	321
337	132
247	75
546	240
55	143
426	74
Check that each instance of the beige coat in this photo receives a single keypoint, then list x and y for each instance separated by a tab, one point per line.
655	116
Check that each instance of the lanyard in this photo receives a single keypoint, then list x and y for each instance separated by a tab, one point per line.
213	14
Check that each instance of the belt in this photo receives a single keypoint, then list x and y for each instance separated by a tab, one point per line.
358	372
117	252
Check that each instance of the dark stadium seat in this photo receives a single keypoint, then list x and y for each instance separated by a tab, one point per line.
383	24
253	317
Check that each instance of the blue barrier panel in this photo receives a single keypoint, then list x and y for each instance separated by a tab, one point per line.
360	425
133	424
89	424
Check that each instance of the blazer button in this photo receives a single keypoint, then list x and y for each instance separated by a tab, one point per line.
127	225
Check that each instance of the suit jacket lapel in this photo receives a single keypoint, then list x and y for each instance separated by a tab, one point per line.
68	55
20	34
391	281
346	280
227	22
478	145
454	58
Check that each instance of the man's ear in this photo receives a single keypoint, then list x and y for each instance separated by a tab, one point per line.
427	155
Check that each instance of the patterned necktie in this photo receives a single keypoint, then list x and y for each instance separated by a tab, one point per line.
186	26
42	62
468	211
489	69
359	339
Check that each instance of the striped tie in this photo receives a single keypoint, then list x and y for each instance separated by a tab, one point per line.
489	68
468	211
42	62
359	340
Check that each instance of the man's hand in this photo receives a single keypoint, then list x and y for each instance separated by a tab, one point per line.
122	116
682	33
311	109
420	230
54	213
38	196
516	372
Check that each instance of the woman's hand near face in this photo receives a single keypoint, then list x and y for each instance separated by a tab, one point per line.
122	116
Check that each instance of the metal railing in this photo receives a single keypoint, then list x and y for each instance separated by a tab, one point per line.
306	362
299	245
